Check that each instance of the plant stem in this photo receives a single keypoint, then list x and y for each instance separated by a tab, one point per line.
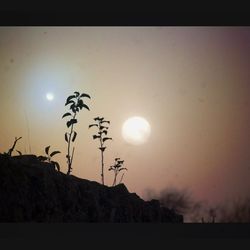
70	158
11	149
102	174
114	183
121	178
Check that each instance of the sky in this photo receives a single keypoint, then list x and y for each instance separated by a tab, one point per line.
190	83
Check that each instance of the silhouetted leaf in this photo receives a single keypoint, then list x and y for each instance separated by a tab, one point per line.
102	127
96	136
77	94
91	125
69	99
102	148
106	138
54	153
74	136
97	118
104	132
122	169
72	106
105	121
66	137
80	104
85	106
120	162
71	122
69	102
85	95
66	114
19	152
47	150
116	159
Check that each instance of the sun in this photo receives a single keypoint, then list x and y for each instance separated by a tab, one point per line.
49	96
136	130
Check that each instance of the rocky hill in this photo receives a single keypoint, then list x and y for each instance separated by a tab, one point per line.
33	191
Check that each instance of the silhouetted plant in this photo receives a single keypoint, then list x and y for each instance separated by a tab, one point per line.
48	157
19	152
14	145
117	167
76	104
102	130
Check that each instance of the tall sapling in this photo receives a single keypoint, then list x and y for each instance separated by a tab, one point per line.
102	130
76	104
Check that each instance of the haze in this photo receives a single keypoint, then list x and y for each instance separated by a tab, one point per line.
190	83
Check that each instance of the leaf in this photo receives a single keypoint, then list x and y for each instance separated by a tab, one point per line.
74	136
69	102
120	162
77	94
72	106
116	159
85	106
122	169
105	132
106	138
102	127
47	150
91	125
80	103
102	149
97	118
19	152
54	153
105	121
66	114
66	137
69	99
96	136
85	95
71	122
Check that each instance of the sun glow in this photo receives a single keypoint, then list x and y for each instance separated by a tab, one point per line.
136	130
49	96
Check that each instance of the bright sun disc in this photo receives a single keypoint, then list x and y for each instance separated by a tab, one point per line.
136	130
49	96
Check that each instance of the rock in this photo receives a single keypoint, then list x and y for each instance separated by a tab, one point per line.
32	191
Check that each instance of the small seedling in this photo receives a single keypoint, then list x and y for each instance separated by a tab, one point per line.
76	104
102	130
13	147
48	157
117	167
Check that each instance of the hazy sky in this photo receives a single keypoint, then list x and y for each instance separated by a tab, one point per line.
190	83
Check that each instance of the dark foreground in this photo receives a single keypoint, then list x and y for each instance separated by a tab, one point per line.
33	191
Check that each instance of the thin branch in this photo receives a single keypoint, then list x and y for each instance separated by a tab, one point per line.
13	147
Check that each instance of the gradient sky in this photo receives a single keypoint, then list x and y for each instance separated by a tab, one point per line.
190	83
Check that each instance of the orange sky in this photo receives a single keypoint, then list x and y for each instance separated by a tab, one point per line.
190	83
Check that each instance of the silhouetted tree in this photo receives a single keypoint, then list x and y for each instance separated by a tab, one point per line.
102	130
117	167
76	104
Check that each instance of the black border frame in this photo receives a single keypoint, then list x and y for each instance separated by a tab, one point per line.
128	235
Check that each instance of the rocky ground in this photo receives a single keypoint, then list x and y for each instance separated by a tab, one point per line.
33	191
